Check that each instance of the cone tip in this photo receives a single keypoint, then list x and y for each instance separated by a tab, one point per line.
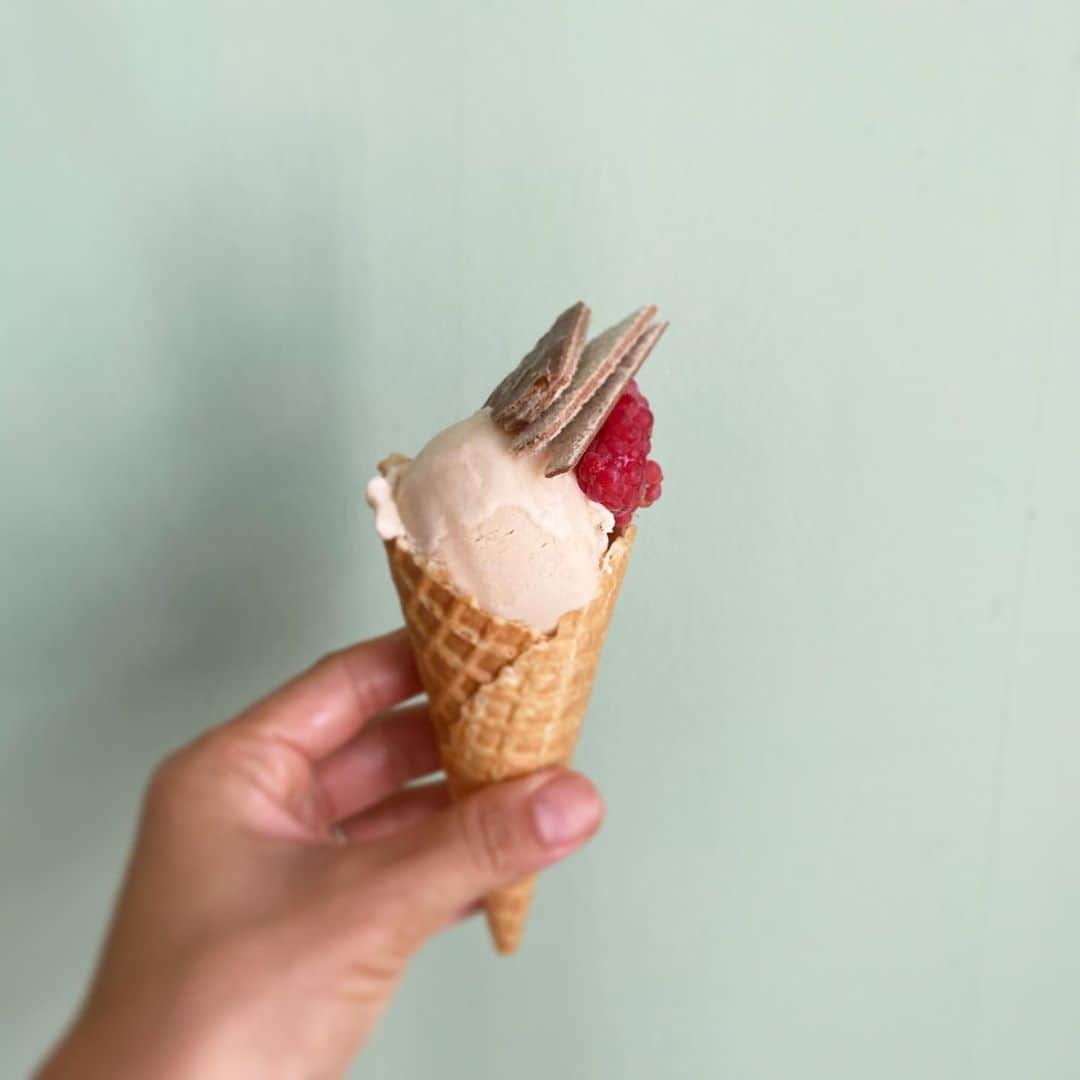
505	933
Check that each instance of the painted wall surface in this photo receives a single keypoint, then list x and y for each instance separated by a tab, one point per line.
247	248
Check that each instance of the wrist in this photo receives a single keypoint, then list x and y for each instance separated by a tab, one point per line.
106	1048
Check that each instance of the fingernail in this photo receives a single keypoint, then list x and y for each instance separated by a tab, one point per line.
566	809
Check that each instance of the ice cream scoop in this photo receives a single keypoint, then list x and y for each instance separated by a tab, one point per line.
525	546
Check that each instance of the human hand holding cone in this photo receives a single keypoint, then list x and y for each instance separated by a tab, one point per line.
507	600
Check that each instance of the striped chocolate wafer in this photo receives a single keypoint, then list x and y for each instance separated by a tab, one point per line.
536	383
598	360
567	448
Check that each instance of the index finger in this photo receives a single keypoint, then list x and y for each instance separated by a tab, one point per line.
328	704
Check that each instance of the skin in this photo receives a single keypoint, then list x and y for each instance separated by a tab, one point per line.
284	875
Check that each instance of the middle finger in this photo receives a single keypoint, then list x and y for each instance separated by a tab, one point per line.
398	747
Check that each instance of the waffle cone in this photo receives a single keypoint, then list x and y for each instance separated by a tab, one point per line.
506	699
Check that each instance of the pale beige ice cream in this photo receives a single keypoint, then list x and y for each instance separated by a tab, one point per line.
525	546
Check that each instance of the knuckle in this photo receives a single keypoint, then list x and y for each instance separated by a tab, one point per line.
487	834
257	763
327	662
338	662
263	766
168	780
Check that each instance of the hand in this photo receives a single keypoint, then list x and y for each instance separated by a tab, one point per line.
284	875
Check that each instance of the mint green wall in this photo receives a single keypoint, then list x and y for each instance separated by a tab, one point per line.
246	248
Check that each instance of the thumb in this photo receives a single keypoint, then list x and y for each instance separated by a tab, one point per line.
488	840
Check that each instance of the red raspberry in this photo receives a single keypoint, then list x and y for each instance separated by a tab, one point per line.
654	479
615	470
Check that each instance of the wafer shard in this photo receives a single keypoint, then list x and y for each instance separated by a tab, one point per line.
567	448
541	377
598	360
